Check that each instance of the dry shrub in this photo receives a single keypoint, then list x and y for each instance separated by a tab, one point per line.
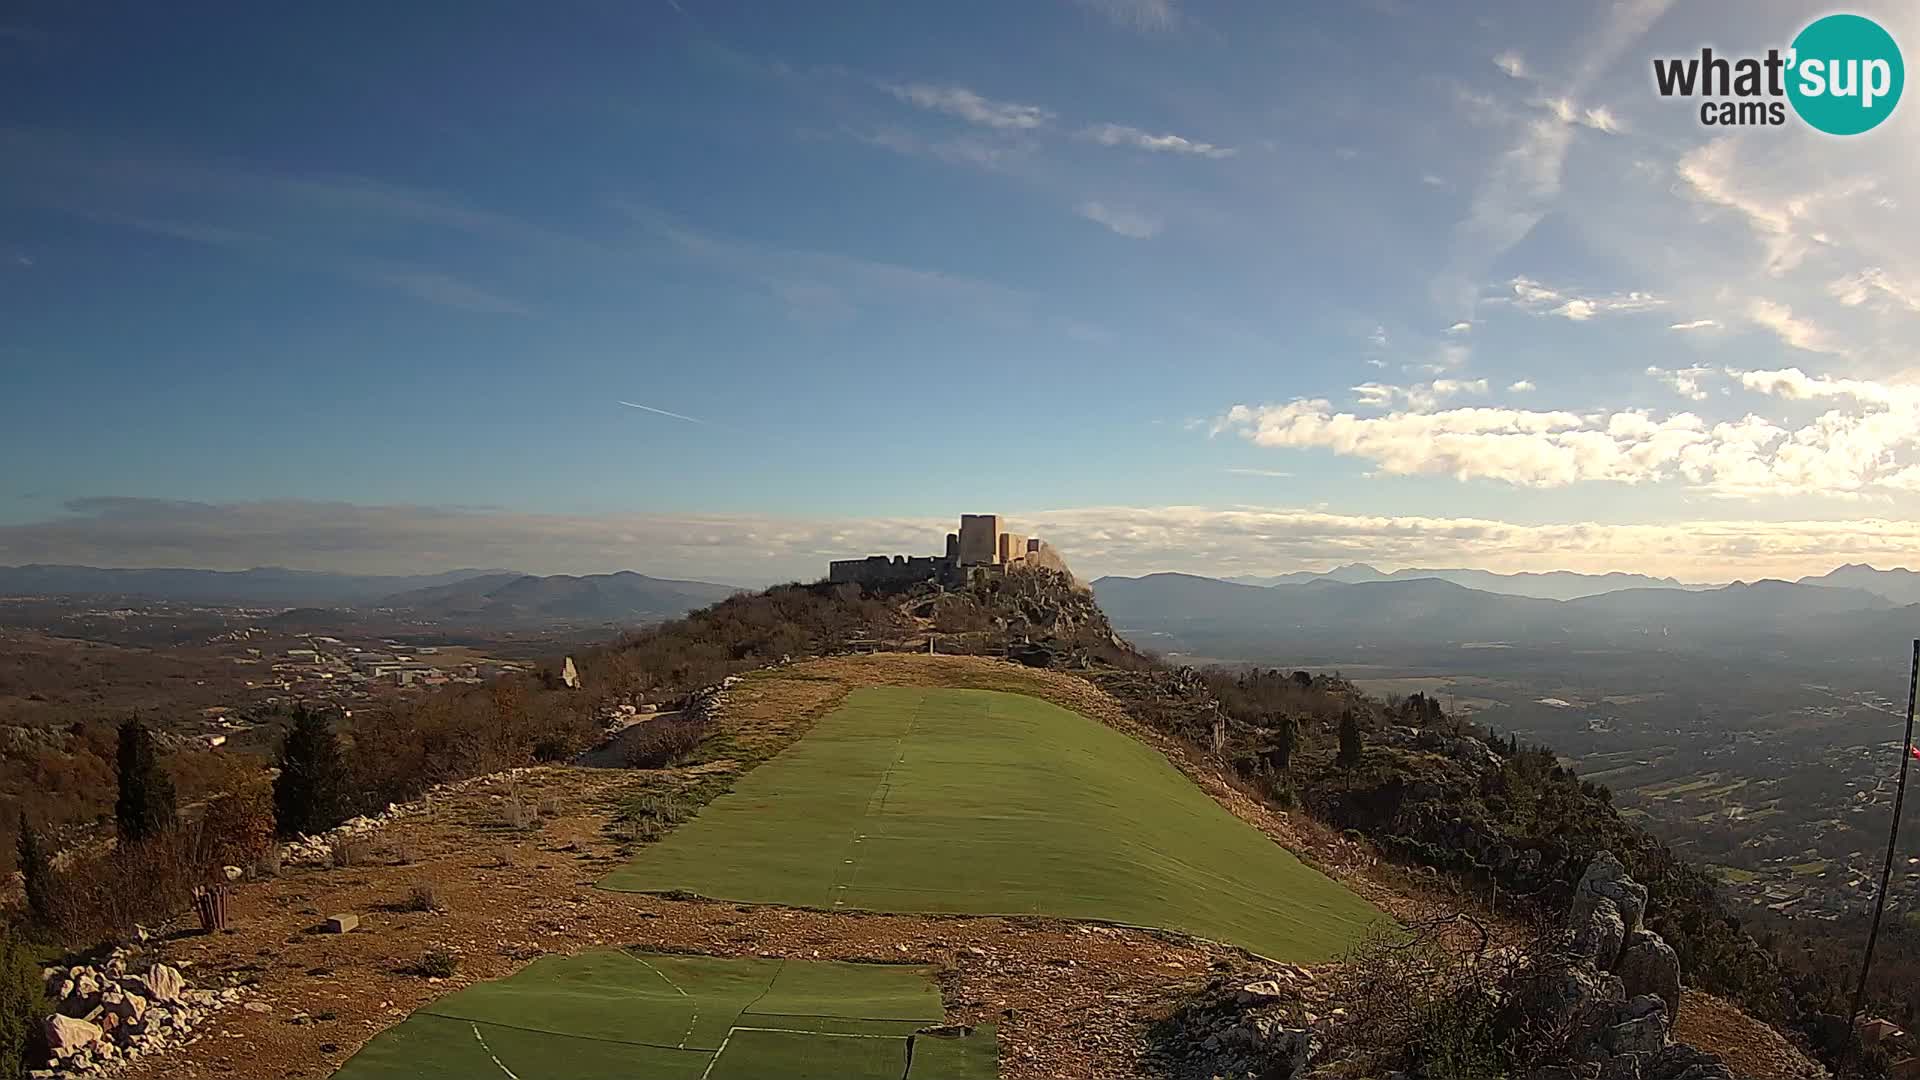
660	743
435	963
422	898
95	899
1427	1000
237	829
519	812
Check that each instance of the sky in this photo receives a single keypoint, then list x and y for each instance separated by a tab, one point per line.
724	290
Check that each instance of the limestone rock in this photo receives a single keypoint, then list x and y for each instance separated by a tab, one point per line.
1606	877
1645	1035
1260	993
67	1036
1648	965
163	983
1601	936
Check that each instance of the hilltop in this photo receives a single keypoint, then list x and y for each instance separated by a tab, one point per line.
1417	818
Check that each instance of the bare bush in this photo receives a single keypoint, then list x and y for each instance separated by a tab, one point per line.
660	743
435	963
424	898
519	812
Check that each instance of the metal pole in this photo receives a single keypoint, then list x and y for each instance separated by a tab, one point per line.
1893	836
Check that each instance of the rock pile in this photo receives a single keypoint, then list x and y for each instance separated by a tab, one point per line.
105	1015
318	850
1615	991
1266	1029
706	703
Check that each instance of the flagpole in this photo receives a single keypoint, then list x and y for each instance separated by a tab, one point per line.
1893	836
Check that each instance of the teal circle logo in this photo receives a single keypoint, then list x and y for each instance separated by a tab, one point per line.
1845	75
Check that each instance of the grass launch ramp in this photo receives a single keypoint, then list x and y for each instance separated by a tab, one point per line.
629	1014
989	803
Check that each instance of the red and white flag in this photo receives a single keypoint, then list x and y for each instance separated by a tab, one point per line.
1914	750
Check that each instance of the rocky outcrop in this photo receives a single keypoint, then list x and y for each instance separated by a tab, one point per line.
1648	965
1615	991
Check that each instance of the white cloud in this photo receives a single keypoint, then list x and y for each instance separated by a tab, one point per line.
1872	283
1798	332
1695	324
1684	381
970	106
1863	449
1565	111
1419	395
1128	223
1511	63
1521	386
1122	135
1275	474
1460	327
1530	295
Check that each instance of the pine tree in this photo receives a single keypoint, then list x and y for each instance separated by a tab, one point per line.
146	803
1349	740
1285	736
313	791
37	871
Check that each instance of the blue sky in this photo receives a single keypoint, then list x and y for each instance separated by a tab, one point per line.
1181	285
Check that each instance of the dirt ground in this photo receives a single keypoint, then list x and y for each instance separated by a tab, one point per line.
1070	1000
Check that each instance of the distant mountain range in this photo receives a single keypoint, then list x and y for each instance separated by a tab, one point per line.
622	597
266	586
463	595
1899	585
1555	585
1324	612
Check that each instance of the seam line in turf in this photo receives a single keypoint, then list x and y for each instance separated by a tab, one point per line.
884	788
496	1058
692	1023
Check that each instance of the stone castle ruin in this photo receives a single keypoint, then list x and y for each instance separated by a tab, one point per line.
979	547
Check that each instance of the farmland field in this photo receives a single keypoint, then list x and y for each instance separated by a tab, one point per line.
598	1016
980	802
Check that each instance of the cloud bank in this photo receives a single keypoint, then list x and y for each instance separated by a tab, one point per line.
756	549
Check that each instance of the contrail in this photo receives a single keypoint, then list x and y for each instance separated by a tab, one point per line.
663	412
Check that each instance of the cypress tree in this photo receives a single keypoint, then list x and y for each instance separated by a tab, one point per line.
37	870
312	793
1349	740
146	803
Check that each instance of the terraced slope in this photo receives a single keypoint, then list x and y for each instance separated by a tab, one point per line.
624	1014
979	802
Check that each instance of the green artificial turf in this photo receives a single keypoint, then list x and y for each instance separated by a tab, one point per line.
763	1055
979	802
653	1016
974	1057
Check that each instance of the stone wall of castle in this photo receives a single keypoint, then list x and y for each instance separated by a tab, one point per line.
979	545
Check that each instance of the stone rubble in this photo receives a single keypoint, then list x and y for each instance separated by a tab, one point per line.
106	1016
1247	1029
